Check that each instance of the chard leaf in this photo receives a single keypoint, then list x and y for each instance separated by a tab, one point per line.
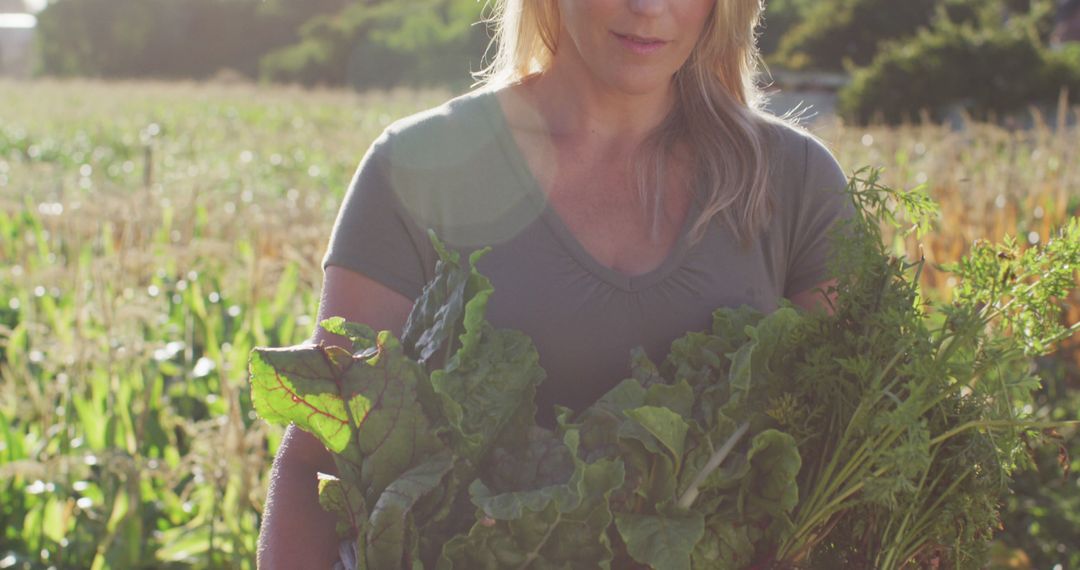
511	505
307	385
491	380
362	336
661	541
771	490
436	315
344	500
696	357
562	526
724	546
599	423
775	458
381	432
386	539
665	426
679	397
750	363
539	460
699	360
731	323
643	369
478	290
625	395
395	434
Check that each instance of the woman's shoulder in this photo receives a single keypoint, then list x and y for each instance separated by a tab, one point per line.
806	178
447	133
447	169
795	152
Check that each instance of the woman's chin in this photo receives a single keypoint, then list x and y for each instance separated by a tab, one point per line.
638	84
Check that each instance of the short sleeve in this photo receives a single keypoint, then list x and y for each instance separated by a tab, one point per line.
822	203
373	234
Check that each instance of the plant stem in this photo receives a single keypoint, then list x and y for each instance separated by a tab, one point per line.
690	495
998	423
532	556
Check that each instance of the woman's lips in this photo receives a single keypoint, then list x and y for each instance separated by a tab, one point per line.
640	45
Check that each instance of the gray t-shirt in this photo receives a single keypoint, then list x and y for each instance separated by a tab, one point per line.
457	170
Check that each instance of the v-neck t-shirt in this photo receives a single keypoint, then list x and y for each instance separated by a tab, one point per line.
457	169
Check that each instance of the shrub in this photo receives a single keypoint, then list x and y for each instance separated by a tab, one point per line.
985	71
841	34
837	31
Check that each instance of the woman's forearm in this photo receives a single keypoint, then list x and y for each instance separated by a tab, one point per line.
296	532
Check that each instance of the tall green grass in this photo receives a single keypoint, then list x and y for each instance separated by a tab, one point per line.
150	236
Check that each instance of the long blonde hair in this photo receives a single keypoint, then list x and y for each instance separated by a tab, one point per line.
717	112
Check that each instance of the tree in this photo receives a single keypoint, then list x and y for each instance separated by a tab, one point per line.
383	44
168	38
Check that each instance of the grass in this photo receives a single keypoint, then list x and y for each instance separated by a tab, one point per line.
152	233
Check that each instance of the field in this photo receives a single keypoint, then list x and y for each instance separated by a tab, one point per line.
151	234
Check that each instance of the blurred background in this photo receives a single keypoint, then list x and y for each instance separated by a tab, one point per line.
170	170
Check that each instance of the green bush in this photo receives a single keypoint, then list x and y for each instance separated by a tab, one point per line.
985	71
833	32
334	42
841	34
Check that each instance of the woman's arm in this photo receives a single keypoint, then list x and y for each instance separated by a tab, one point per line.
296	531
812	298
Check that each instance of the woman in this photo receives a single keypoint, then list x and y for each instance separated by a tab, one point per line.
616	162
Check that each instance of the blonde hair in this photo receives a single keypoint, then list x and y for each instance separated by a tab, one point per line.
717	111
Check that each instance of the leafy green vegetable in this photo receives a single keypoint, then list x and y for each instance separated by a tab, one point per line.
881	435
661	541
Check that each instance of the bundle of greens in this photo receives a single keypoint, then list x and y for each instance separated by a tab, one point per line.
881	436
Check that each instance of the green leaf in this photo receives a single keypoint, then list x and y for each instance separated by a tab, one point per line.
643	369
184	545
536	461
362	336
386	540
724	545
437	315
395	434
511	505
751	362
661	541
562	526
493	374
383	428
53	524
625	395
679	397
345	501
731	323
488	382
772	489
666	426
303	385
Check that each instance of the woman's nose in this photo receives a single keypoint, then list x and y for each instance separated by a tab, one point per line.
647	7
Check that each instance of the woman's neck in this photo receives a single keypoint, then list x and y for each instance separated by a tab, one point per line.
576	106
